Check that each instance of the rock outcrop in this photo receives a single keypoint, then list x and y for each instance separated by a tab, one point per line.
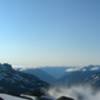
65	98
1	98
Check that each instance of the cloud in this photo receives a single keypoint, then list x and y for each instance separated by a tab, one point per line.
78	93
72	69
94	68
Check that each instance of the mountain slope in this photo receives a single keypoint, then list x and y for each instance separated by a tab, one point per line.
16	83
43	75
55	71
85	75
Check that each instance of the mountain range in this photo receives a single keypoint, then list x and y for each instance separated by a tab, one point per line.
34	81
68	76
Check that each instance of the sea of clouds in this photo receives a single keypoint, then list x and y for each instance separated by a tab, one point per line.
76	92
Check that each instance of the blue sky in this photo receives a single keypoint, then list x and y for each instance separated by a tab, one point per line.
50	32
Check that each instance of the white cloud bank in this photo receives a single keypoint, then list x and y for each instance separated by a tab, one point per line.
78	93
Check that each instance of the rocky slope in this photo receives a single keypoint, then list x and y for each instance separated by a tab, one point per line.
15	83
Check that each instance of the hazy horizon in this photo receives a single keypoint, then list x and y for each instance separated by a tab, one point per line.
50	32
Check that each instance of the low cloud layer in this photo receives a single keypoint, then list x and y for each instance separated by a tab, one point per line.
78	93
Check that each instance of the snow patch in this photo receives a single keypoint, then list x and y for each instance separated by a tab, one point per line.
8	97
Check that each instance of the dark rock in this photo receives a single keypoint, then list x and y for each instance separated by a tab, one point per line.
65	98
1	98
46	98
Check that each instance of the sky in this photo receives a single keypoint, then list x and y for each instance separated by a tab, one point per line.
50	32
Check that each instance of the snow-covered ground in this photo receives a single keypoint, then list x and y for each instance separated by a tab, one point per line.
8	97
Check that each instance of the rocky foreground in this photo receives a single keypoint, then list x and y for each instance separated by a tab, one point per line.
40	98
51	98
